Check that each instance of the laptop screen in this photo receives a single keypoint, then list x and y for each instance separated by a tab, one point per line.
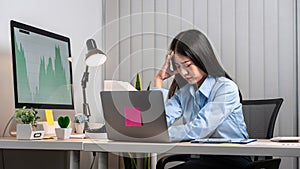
135	115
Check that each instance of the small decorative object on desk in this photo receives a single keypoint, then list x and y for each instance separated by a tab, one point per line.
29	128
80	120
63	132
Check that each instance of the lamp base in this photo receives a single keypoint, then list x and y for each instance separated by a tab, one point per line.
97	130
96	133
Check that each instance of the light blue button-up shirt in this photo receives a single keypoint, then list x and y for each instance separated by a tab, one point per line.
212	110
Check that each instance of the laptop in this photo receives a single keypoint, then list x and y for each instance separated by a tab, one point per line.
135	116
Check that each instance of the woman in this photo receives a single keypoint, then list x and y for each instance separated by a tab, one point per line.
209	103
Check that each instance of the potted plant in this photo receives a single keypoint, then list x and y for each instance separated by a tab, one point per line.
27	123
63	132
130	161
27	116
80	120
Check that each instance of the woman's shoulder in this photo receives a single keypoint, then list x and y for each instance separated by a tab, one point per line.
225	82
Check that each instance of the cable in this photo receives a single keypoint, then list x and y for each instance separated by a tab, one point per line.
7	124
94	157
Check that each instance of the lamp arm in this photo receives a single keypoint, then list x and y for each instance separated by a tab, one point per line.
84	80
85	77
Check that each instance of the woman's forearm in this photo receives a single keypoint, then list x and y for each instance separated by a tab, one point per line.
158	82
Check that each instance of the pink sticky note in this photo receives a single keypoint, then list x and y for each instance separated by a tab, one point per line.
133	116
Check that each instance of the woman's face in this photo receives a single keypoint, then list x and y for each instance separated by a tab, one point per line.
188	70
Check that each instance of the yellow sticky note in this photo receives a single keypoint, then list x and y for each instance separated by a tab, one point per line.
49	117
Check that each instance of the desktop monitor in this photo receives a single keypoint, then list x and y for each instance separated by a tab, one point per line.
41	69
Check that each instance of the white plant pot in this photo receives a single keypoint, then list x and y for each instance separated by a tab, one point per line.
79	127
63	133
25	131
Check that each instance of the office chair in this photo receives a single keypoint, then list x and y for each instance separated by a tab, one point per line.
265	164
260	117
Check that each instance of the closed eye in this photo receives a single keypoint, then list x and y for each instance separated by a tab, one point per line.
188	65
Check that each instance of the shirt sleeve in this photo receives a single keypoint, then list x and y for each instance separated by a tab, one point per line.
213	114
172	107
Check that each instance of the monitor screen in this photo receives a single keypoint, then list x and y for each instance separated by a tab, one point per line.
41	69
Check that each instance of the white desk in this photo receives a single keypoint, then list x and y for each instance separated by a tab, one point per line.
49	144
259	148
66	151
102	146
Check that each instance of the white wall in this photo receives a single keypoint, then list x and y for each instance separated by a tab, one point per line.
76	19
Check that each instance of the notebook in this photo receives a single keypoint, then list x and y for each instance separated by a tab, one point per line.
135	116
223	140
285	139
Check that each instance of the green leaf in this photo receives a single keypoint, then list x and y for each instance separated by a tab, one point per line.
149	85
132	160
27	116
63	121
138	82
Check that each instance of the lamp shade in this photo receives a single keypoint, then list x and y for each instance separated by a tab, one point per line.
94	56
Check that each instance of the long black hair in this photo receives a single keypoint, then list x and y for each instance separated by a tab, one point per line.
196	46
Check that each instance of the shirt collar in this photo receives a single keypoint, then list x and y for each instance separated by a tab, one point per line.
207	86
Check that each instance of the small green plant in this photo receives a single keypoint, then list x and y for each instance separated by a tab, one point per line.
63	121
138	82
27	116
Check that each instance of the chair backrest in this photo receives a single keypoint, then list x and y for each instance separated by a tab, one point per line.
260	117
265	164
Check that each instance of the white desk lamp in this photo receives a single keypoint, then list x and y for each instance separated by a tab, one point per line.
94	57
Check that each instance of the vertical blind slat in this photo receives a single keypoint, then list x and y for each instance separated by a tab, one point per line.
124	40
242	47
256	27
